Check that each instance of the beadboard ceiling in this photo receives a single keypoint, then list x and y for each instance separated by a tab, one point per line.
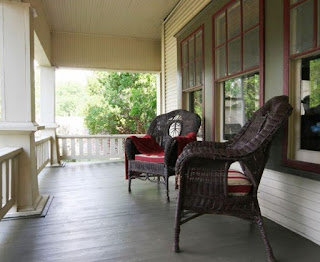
122	18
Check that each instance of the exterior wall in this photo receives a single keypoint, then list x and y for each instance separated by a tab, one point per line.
287	196
104	52
181	15
43	33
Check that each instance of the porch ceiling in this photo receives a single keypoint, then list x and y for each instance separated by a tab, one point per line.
123	18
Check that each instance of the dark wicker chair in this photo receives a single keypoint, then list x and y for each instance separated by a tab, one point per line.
203	170
165	130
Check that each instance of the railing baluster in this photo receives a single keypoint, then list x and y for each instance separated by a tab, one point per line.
89	147
73	148
81	148
7	181
1	196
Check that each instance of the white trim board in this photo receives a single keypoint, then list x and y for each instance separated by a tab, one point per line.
291	201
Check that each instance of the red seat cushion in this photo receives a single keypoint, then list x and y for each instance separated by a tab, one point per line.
155	158
238	183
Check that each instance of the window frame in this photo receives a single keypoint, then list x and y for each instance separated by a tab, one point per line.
188	92
218	82
290	75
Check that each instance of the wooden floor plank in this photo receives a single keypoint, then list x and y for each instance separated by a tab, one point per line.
92	217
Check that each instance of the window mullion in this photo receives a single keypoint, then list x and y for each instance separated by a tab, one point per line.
241	34
227	41
315	22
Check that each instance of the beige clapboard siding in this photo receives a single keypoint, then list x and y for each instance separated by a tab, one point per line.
293	202
105	52
184	12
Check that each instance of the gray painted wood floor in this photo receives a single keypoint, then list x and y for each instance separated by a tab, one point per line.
93	218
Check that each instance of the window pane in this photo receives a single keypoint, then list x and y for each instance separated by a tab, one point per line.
234	56
251	49
241	100
185	65
220	62
250	13
199	44
198	72
220	29
293	1
301	27
185	77
234	20
310	109
184	53
191	62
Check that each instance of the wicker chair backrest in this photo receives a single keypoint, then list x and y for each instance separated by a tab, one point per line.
175	123
262	125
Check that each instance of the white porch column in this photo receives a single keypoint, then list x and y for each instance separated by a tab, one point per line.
17	126
47	109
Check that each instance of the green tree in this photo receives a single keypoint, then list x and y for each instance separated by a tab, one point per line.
120	103
315	82
70	99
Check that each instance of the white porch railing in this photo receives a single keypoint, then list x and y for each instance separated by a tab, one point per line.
92	147
8	177
43	153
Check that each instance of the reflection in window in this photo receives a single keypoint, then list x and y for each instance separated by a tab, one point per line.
196	106
241	100
310	109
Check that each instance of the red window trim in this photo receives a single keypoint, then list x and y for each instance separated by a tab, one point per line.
195	59
306	166
260	67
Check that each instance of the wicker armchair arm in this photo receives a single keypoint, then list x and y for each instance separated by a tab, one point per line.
130	149
170	152
209	144
208	151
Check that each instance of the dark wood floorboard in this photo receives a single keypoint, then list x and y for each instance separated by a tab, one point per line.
92	217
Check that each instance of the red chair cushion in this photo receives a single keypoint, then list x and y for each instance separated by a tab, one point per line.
238	183
184	140
155	158
146	144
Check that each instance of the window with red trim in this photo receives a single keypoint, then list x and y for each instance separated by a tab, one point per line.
302	50
192	60
238	64
192	73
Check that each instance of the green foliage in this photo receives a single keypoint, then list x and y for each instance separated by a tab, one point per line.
120	103
70	99
315	82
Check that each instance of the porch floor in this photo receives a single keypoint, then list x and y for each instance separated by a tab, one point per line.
92	217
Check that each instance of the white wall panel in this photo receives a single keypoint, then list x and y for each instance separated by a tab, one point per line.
104	52
293	202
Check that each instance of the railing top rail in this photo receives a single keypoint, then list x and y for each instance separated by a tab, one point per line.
99	136
43	140
9	152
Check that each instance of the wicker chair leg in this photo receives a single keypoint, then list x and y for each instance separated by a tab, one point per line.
167	187
129	184
176	247
268	248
